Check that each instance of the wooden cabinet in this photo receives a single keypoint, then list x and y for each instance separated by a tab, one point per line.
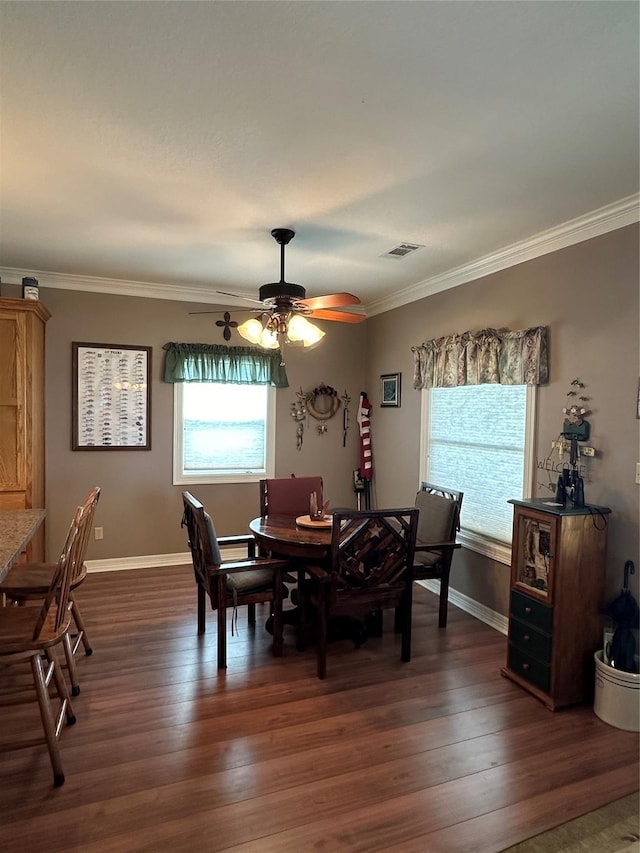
22	437
557	590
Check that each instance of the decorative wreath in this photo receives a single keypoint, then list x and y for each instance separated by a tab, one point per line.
323	402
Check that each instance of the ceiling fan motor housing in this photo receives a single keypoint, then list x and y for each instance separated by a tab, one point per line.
282	289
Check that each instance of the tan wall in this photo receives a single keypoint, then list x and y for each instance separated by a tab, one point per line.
139	507
588	296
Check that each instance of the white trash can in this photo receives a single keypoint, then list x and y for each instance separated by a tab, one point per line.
617	696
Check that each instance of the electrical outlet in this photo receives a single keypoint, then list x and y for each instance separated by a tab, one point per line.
587	451
98	532
638	473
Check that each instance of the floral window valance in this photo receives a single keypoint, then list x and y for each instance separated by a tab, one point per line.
218	363
479	358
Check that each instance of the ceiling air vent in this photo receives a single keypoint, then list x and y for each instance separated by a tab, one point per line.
402	250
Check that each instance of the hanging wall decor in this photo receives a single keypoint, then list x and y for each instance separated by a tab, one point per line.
390	390
299	413
111	397
345	417
323	402
226	324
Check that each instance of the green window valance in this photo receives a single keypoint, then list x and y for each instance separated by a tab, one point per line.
218	363
478	358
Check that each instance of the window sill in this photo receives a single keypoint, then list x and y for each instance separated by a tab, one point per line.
212	479
498	551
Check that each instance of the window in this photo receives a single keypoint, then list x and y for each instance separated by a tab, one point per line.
223	433
479	439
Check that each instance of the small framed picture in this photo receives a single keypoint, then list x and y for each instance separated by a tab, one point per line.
390	390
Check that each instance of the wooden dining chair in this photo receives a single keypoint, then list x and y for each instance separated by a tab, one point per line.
250	581
289	495
27	581
32	634
438	523
372	552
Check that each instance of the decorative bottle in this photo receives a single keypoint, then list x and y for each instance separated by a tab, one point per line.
30	288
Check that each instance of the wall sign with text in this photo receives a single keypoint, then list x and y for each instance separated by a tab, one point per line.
111	399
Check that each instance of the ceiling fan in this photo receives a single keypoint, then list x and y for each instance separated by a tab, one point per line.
284	309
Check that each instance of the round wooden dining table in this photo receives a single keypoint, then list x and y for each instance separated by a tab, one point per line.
280	535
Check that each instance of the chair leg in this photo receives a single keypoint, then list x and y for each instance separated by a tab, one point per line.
71	664
82	631
323	619
251	614
405	608
202	624
397	620
303	627
222	623
277	617
46	714
60	685
444	600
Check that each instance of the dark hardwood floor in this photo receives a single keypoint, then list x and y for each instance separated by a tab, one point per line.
440	754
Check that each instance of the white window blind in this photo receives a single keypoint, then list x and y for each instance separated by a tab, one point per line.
223	432
478	439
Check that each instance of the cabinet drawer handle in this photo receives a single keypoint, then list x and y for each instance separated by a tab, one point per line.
526	638
527	610
525	666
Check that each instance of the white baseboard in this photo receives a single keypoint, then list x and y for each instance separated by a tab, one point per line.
469	605
155	561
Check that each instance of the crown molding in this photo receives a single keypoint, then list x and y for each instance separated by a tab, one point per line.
122	287
594	224
602	221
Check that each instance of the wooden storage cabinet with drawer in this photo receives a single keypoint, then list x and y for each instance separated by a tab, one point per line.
557	591
22	436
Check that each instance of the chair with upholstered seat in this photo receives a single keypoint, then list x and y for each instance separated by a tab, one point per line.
438	523
249	581
31	634
28	581
372	552
289	495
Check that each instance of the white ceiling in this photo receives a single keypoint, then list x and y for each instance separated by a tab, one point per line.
158	143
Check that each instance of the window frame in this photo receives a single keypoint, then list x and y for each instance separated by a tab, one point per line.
485	545
207	478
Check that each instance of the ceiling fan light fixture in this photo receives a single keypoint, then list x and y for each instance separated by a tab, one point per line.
300	329
285	305
269	339
251	330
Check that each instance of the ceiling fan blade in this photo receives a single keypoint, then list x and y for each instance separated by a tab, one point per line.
238	296
332	300
340	316
240	310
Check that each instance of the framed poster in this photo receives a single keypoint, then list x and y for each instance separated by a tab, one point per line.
111	397
390	389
